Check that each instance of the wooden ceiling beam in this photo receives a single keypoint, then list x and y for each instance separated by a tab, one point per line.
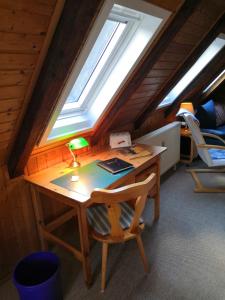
143	68
212	34
71	32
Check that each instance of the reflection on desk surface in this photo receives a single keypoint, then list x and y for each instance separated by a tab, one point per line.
91	176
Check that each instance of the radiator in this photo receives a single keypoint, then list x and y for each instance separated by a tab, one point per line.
166	136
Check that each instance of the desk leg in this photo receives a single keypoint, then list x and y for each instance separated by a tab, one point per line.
85	245
39	217
157	196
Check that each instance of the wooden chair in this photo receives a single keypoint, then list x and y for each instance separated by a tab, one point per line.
212	155
113	220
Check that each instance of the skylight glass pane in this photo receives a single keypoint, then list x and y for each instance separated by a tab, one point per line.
103	46
203	60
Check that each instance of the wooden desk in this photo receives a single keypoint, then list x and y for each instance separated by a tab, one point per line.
79	201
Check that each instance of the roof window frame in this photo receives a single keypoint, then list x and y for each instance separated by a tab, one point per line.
70	126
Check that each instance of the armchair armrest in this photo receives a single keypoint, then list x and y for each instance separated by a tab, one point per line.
213	136
206	146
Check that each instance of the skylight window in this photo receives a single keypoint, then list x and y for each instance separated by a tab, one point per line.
103	47
199	65
118	40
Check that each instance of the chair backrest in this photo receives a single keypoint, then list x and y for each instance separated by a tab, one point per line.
111	198
198	138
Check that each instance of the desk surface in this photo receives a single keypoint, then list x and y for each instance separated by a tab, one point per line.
82	194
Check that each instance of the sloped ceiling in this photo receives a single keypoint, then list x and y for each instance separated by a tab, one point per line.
25	28
155	86
155	80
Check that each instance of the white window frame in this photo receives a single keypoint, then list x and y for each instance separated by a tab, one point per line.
79	121
120	46
214	83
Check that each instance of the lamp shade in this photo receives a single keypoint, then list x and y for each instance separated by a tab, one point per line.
78	143
187	106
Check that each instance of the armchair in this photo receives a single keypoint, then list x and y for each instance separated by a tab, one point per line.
212	155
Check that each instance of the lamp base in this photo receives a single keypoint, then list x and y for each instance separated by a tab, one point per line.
74	164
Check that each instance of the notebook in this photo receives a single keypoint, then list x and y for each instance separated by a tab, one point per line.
115	165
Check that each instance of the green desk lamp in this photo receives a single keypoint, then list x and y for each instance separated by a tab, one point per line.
75	144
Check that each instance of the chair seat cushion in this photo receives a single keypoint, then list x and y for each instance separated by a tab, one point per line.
218	157
217	153
98	217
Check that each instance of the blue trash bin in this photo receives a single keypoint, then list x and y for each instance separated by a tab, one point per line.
37	277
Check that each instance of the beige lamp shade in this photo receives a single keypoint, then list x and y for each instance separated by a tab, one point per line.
187	106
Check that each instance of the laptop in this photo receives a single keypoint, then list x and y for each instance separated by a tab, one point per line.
115	165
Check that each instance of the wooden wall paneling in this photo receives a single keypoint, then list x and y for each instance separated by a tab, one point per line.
156	73
18	232
153	122
7	126
53	76
20	42
12	77
12	61
143	68
23	28
54	154
169	5
5	136
10	92
153	80
56	13
177	48
8	116
3	153
10	105
182	68
30	6
19	21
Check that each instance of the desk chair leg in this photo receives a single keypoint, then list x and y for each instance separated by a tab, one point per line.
142	252
104	263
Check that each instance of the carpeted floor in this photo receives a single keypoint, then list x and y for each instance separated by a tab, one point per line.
186	251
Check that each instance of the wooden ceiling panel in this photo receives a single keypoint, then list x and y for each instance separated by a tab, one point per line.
8	117
24	25
10	105
10	92
169	5
23	22
30	6
20	42
11	77
18	62
6	126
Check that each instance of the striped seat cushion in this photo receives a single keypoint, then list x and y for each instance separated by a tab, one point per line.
98	217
